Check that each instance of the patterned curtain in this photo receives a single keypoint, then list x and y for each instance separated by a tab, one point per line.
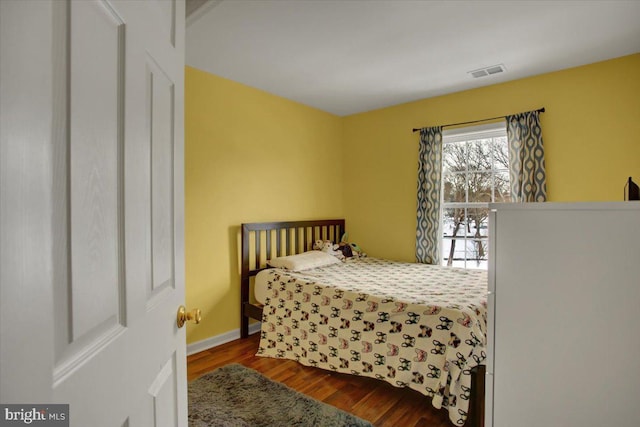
526	158
428	210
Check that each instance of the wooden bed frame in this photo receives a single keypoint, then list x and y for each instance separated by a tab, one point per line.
263	240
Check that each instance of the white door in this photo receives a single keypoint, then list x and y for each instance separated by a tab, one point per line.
91	178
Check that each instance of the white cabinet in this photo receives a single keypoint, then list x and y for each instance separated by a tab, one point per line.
564	315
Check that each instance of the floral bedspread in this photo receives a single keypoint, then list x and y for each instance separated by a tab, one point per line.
412	325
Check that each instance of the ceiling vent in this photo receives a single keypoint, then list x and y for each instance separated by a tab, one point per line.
487	71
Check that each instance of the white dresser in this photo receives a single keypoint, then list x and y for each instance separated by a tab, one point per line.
564	315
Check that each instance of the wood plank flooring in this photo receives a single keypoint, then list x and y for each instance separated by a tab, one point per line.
376	401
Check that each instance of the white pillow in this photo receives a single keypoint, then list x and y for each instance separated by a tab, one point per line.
304	261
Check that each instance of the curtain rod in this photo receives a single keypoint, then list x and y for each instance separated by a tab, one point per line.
539	110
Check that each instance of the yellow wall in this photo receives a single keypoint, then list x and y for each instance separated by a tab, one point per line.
243	144
250	156
591	132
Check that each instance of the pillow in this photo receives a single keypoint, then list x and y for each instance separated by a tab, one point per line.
304	261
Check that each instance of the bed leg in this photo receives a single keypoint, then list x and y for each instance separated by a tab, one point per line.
244	323
476	404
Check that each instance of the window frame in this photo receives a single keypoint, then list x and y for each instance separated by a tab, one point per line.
458	135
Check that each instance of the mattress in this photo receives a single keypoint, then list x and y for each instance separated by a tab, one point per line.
412	325
261	285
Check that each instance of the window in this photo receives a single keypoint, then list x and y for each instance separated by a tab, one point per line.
475	172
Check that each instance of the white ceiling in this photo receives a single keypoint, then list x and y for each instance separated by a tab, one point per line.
350	56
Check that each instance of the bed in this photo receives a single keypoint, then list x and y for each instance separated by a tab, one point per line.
427	336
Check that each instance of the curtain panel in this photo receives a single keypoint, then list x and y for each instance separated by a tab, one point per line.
428	203
526	158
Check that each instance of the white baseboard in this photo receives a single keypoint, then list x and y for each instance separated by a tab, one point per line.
212	342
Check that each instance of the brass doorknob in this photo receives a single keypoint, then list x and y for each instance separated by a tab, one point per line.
183	316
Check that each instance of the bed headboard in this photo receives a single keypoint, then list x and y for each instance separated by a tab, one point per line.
262	241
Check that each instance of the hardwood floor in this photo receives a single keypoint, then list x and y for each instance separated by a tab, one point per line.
376	401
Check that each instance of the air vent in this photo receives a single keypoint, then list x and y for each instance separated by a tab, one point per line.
479	73
487	71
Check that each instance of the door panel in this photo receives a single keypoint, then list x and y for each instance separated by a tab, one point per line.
164	12
89	285
160	112
163	394
95	171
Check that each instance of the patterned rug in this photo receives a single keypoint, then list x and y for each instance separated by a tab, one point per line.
238	396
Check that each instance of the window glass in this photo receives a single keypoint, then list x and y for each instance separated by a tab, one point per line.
475	172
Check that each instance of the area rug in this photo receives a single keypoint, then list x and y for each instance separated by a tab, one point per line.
235	395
